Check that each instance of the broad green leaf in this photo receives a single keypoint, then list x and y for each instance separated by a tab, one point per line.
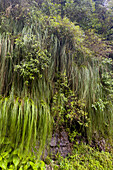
16	160
3	164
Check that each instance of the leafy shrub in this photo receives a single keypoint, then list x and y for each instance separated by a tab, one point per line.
68	110
34	59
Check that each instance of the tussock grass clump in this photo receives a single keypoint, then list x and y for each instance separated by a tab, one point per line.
21	122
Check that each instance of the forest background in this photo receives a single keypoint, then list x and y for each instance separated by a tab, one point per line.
56	73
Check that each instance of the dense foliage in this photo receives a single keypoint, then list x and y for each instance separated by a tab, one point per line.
55	70
85	157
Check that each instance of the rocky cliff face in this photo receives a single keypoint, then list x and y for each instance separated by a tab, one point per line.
60	144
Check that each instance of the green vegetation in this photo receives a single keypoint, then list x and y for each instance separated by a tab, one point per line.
85	157
56	70
14	160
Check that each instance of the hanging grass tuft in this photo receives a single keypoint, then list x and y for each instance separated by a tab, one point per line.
21	122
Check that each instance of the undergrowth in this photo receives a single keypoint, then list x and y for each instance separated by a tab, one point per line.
86	158
83	157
